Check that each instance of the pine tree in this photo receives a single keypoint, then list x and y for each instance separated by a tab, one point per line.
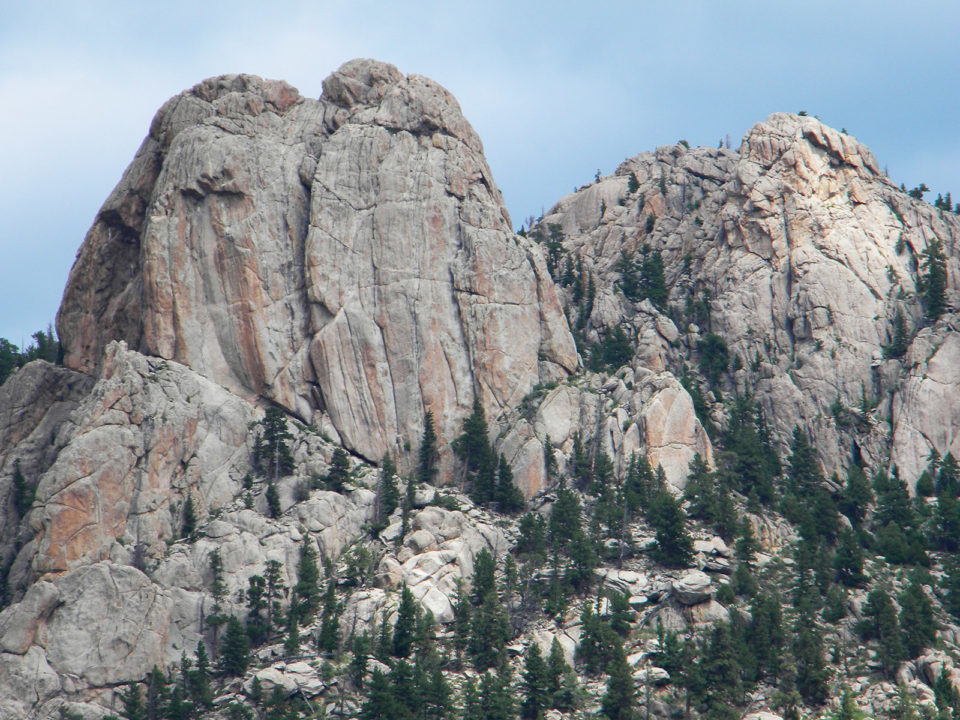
291	643
811	668
674	544
308	584
508	496
133	708
329	638
880	622
361	655
235	652
339	471
489	633
653	283
405	626
189	525
275	457
916	618
564	516
900	340
274	587
23	493
273	501
946	525
257	627
198	680
848	560
618	701
933	286
388	496
380	703
483	581
428	455
856	496
536	689
950	585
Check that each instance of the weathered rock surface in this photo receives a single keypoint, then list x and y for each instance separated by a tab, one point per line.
349	256
149	433
802	252
636	411
437	555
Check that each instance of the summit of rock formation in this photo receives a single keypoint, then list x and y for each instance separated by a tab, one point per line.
799	252
349	258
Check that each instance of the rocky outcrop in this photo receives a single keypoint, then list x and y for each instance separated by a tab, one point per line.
797	250
438	555
348	257
149	433
635	412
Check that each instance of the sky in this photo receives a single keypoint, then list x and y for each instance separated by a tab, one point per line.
555	90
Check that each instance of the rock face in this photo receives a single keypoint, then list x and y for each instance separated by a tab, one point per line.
801	252
349	256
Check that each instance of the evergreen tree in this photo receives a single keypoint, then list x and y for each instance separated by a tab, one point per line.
358	662
618	701
812	673
257	626
291	643
674	544
933	285
403	630
536	686
848	560
532	544
274	587
583	561
701	491
189	525
880	623
714	358
308	584
339	471
946	525
132	700
329	638
900	340
489	633
388	496
564	516
273	501
856	496
653	283
483	581
235	652
198	679
916	618
950	585
23	493
508	496
428	455
380	703
275	457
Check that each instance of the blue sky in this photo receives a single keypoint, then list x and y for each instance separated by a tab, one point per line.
555	90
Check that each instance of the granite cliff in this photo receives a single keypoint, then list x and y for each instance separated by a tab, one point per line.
349	260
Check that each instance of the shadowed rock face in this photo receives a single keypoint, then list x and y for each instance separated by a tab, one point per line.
349	256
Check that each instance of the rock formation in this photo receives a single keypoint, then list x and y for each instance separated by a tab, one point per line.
802	251
350	261
348	257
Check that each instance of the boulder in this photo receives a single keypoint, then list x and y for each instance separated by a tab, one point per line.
693	587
